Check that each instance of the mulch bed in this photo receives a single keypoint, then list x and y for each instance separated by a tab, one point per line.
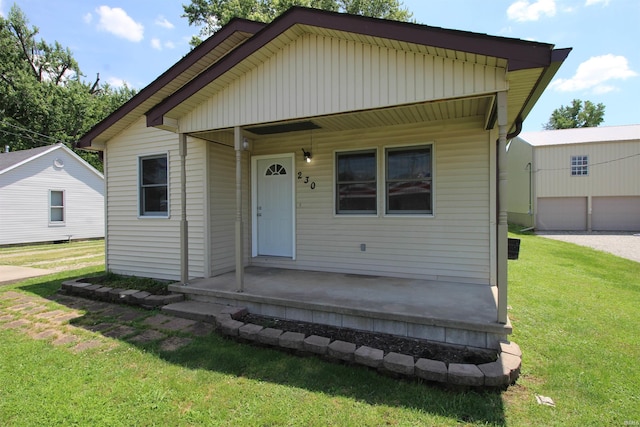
385	342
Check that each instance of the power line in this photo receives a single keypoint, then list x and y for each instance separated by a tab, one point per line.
589	165
20	128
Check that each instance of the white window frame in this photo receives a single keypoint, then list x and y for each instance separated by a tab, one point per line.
159	215
62	207
385	164
580	165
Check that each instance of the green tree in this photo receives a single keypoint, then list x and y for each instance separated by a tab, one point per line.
43	99
577	115
211	15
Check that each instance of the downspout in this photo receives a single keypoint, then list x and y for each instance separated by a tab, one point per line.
184	225
503	227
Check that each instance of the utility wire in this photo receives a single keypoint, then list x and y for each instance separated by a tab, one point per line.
589	165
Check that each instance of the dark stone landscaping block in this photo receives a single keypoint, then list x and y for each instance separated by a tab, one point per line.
292	340
342	350
368	356
495	374
431	370
103	293
399	363
230	327
465	374
269	336
114	294
250	331
316	344
138	297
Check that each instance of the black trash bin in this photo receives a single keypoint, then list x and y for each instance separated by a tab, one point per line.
513	249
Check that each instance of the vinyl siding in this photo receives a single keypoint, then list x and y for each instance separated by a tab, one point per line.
24	200
222	177
520	182
452	245
319	75
613	170
150	247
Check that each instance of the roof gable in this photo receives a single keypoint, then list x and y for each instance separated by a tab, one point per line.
535	62
15	159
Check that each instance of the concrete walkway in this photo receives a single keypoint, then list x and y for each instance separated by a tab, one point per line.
12	274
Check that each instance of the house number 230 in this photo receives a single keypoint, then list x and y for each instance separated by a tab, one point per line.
312	185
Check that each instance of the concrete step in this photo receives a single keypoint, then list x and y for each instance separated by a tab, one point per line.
203	311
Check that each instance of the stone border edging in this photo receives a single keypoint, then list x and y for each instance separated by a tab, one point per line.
498	374
117	295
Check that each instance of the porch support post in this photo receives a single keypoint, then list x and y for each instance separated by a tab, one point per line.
502	238
237	138
184	225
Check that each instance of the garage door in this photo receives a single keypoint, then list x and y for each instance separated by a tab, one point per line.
562	213
615	213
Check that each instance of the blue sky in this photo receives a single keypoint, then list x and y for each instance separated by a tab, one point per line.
134	41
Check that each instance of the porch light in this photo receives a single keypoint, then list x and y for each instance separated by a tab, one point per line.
307	155
245	143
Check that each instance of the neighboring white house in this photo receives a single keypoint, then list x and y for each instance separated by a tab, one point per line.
585	179
405	126
49	194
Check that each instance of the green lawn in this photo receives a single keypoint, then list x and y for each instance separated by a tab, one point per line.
574	311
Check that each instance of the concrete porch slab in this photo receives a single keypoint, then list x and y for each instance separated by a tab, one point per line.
455	313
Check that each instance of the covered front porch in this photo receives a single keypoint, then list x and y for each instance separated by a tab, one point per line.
447	312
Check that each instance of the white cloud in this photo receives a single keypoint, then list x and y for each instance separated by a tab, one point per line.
163	22
116	21
1	11
170	45
523	10
87	18
156	44
592	2
593	73
117	82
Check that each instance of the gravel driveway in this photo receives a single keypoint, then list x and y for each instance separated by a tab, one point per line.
622	244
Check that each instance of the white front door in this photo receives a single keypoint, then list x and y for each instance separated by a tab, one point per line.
274	206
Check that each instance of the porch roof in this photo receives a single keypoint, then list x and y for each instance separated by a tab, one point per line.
531	65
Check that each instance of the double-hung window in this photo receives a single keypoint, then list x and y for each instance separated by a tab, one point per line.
579	165
356	182
56	207
154	186
408	180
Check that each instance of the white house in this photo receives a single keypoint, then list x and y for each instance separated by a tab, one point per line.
49	194
585	179
327	143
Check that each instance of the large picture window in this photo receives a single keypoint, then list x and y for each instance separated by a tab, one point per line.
408	180
356	183
56	207
154	187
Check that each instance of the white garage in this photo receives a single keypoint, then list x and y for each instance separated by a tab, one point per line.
615	213
562	213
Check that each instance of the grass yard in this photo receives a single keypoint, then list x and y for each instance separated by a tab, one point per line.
57	257
574	311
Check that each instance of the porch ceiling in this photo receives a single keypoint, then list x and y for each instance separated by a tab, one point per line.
407	114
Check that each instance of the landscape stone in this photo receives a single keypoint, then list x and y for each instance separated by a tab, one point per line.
230	327
368	356
139	297
399	363
496	374
342	350
512	363
316	344
431	370
249	331
292	340
465	374
511	348
269	336
103	293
